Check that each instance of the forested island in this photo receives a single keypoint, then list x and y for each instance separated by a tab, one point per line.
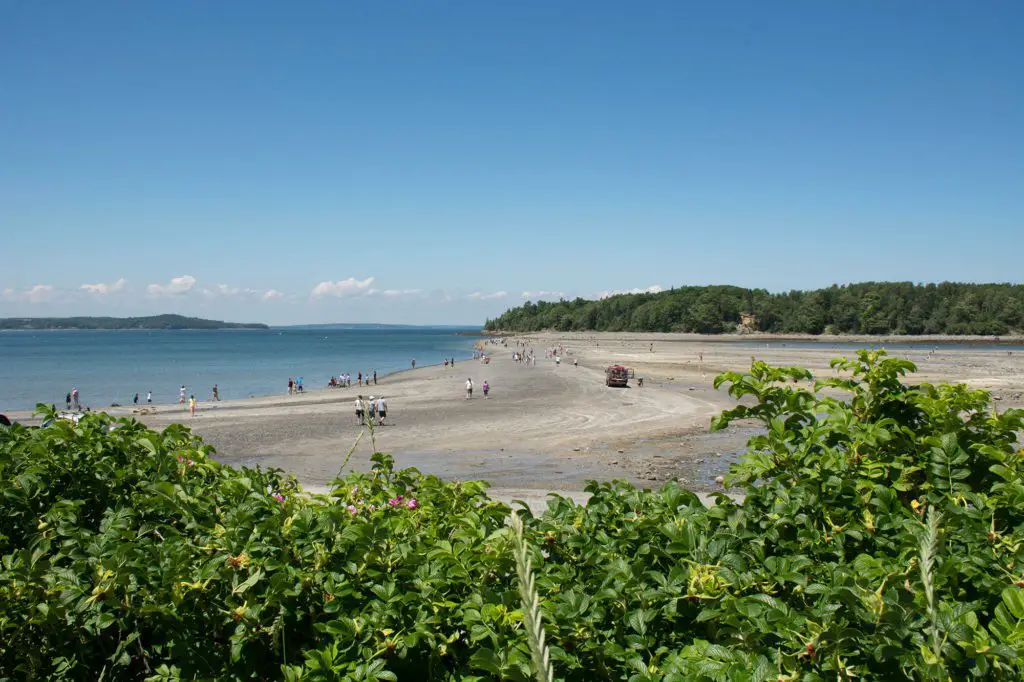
150	322
902	308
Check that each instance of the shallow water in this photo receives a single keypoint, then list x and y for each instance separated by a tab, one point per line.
111	366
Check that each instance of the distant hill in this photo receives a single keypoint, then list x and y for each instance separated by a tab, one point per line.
150	322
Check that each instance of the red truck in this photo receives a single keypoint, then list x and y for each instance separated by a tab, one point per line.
616	375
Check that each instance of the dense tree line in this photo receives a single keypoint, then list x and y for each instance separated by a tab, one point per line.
150	322
865	308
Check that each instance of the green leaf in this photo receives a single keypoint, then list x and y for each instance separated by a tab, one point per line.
249	582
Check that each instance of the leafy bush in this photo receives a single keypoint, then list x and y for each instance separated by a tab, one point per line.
880	538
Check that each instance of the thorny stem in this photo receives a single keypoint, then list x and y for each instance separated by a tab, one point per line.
539	653
929	545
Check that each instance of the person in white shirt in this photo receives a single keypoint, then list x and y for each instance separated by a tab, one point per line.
469	389
382	410
359	409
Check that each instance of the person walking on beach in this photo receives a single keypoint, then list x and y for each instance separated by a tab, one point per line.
469	389
149	396
67	400
291	386
359	409
374	377
359	378
192	404
414	363
486	387
382	410
216	392
135	400
181	395
372	409
74	398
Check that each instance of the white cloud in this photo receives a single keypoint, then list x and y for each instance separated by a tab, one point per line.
543	294
342	288
228	292
36	294
102	289
657	288
477	296
272	294
394	293
177	286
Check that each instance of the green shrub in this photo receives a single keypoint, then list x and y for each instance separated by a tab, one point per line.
880	538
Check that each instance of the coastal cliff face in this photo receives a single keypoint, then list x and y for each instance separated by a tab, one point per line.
150	322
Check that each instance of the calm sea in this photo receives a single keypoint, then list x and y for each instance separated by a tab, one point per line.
111	366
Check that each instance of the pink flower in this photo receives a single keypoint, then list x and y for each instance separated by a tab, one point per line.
279	497
412	504
191	463
351	509
372	507
393	501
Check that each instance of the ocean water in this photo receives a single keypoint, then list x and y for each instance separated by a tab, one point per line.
111	366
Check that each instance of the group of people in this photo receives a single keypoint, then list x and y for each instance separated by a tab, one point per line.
149	397
525	358
295	386
371	408
485	387
72	399
344	380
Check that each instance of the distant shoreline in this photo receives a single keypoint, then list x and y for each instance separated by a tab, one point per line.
138	329
168	322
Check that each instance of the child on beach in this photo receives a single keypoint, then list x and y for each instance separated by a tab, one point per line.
486	387
181	395
192	404
469	389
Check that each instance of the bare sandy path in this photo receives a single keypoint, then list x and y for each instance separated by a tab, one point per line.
550	427
543	426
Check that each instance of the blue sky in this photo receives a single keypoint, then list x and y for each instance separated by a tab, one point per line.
433	162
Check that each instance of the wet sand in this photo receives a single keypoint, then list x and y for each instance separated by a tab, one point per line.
547	427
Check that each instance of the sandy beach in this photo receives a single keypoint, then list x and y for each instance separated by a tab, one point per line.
546	427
